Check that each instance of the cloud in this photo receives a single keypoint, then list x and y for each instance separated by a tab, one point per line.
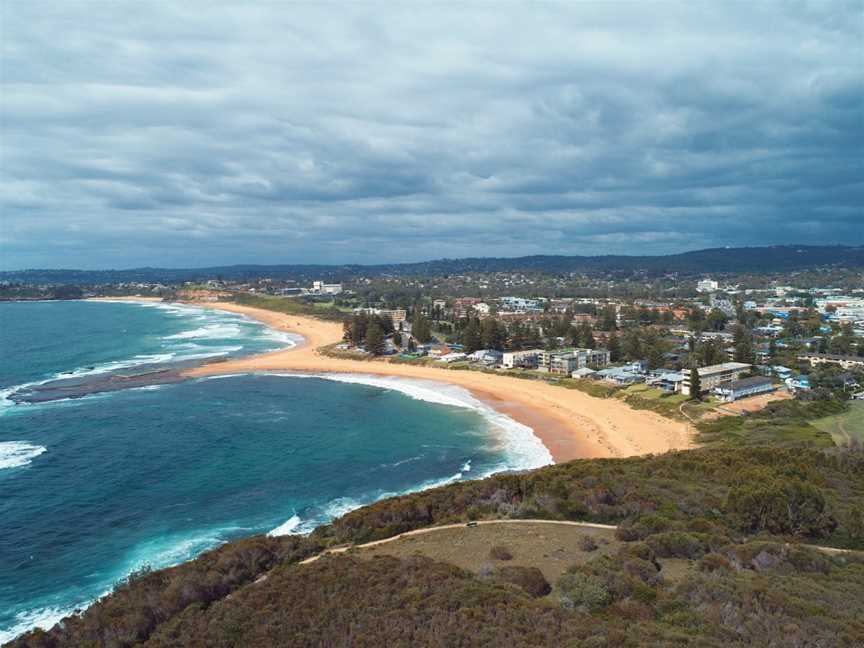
202	133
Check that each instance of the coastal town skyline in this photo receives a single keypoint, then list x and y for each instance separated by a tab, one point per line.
198	135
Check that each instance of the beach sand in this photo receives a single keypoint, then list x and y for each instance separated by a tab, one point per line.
570	423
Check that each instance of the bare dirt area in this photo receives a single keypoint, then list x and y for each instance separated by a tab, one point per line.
748	405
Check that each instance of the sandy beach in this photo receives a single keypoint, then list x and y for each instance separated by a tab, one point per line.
570	423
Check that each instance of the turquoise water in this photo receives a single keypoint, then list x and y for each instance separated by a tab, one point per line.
92	489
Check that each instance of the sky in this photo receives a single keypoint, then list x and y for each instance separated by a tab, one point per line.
191	134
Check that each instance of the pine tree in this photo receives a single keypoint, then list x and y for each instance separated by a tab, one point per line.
421	329
743	346
375	339
471	336
695	384
614	347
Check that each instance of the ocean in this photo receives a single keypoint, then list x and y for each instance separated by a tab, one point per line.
95	488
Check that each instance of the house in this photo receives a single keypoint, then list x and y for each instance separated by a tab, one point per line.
524	359
584	372
737	389
845	361
452	357
667	381
488	357
782	372
619	375
800	383
715	375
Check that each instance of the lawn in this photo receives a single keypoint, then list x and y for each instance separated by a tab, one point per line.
846	426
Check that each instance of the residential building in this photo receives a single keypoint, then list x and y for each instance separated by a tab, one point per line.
619	375
743	388
584	372
396	315
488	357
463	306
845	361
321	288
707	285
667	381
715	376
565	361
521	359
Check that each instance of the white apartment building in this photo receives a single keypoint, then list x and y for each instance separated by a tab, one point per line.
715	376
528	359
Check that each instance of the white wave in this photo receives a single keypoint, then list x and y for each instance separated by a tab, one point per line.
466	467
523	449
45	618
209	332
287	527
14	454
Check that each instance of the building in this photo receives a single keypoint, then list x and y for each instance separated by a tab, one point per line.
584	372
522	359
321	288
619	376
799	383
707	285
668	382
737	389
566	361
463	306
488	357
845	361
715	376
397	315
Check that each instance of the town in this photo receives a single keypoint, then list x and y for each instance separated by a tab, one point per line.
674	338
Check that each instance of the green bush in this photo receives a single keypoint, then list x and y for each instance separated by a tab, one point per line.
578	590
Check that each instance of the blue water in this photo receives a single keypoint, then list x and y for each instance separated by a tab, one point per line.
94	488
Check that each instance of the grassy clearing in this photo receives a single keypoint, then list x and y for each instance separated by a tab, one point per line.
290	306
845	427
550	548
786	423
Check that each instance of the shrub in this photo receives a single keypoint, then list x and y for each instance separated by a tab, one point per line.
712	562
586	543
676	544
530	579
578	590
499	552
780	506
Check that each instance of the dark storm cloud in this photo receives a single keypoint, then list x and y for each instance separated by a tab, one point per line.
198	134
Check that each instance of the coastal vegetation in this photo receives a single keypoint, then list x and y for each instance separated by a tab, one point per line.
713	547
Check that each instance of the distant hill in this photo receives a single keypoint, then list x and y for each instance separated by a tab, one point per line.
780	258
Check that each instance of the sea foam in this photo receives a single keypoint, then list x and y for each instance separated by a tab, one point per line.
15	454
523	449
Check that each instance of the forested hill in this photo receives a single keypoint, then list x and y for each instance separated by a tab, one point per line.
719	260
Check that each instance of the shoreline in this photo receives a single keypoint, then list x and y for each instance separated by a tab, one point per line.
570	423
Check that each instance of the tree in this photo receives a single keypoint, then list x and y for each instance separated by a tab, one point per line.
375	339
421	329
471	336
614	347
491	334
397	339
608	321
632	345
695	384
743	346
